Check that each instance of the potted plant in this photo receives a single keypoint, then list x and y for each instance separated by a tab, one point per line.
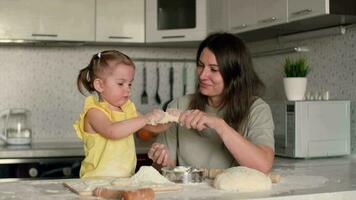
295	82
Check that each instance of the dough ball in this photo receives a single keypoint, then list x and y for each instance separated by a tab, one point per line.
242	179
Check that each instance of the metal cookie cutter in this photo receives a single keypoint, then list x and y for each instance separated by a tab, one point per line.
183	174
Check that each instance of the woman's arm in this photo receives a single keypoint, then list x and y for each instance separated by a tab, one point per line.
251	155
246	153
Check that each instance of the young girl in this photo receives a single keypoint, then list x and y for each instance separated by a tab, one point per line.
107	122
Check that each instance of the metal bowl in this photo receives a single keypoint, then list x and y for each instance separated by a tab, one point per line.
183	174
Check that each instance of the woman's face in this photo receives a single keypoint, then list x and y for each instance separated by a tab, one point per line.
211	82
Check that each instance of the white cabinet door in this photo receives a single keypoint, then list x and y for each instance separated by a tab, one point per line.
120	21
300	9
16	20
253	14
241	15
270	12
66	20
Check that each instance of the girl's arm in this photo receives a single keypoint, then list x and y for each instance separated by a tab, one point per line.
97	122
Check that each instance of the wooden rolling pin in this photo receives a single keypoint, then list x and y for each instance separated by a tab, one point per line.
213	172
138	194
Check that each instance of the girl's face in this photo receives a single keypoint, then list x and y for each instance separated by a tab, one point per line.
211	82
116	86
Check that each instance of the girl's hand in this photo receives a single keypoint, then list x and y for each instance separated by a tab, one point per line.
198	120
158	153
154	116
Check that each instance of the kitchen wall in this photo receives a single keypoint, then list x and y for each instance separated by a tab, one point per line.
333	67
43	79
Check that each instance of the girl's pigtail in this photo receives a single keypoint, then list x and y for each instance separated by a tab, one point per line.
84	80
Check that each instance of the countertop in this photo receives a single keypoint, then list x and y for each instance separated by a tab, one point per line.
324	178
53	149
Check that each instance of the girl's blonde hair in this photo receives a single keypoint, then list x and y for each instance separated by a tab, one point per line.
100	63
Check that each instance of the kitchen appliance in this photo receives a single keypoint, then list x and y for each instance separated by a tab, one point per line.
15	126
306	129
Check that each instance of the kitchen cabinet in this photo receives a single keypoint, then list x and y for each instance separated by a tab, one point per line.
241	15
47	20
254	14
184	20
301	9
270	12
120	21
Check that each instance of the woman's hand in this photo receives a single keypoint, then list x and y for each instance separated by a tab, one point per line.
199	120
159	154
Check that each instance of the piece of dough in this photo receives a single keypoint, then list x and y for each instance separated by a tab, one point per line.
148	174
166	119
242	179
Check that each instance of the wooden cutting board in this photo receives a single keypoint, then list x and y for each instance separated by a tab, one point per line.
156	187
85	187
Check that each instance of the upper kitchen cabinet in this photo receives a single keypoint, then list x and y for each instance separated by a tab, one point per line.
120	21
271	12
301	9
241	15
254	14
65	20
183	20
302	16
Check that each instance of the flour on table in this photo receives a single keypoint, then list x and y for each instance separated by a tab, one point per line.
181	169
242	179
148	174
166	119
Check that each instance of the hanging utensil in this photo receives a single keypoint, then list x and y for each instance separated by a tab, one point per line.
171	83
144	96
184	79
157	97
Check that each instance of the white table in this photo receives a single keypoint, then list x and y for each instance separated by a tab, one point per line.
332	178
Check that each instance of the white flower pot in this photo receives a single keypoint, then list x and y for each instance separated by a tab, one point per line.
295	88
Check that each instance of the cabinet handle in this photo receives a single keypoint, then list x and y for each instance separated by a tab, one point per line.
173	36
119	37
242	26
302	12
268	20
44	35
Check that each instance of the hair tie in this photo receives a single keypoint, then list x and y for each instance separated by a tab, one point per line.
99	54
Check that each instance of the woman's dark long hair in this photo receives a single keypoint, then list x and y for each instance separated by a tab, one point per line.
242	85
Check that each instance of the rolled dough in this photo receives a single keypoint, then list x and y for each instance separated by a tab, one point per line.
242	179
166	119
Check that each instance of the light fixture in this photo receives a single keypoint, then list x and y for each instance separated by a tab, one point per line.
337	30
280	51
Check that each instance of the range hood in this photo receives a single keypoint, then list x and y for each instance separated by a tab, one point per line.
341	13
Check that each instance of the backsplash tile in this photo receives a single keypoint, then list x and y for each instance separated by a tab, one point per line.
43	80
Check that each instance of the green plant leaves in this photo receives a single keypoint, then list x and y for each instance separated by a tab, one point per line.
296	68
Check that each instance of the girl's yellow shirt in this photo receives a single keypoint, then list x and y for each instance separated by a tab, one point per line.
106	157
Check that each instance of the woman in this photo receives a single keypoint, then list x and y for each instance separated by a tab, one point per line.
224	123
